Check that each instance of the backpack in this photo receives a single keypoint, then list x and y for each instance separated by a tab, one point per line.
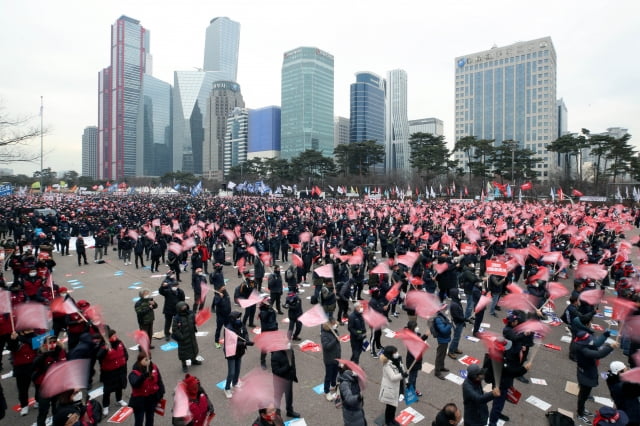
556	418
432	327
314	299
93	415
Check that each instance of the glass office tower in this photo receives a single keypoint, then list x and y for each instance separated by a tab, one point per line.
367	108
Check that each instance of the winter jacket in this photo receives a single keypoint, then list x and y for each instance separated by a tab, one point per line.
443	328
352	402
144	311
283	364
171	298
184	332
588	352
268	319
357	327
330	345
476	410
390	385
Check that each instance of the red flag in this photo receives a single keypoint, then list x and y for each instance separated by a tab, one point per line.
556	290
434	246
151	235
592	297
266	258
166	229
5	302
523	302
253	299
362	375
142	339
314	316
632	375
526	186
441	267
202	317
297	260
381	268
425	304
374	319
181	403
325	271
576	193
408	259
579	254
590	270
485	299
393	292
513	288
230	342
63	376
155	222
229	235
31	315
175	247
240	263
257	391
271	341
61	306
622	308
249	238
520	255
631	329
533	326
534	251
415	345
133	234
305	237
494	343
188	244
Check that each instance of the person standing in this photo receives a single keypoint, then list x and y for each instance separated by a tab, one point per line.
184	332
172	294
415	364
234	361
390	385
496	286
331	351
156	252
113	370
283	366
471	285
357	331
458	320
144	308
275	288
222	307
476	400
81	251
624	394
246	288
22	356
200	407
293	304
442	333
198	281
50	353
588	351
138	252
147	389
514	365
352	400
268	322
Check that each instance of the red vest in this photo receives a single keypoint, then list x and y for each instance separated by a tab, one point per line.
150	384
114	359
17	297
5	324
23	355
31	285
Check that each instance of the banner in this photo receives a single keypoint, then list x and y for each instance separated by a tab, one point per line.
6	190
496	268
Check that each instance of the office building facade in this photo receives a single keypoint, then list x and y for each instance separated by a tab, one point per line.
155	131
89	152
307	102
224	97
341	130
509	93
221	49
367	105
264	133
432	125
397	150
120	91
236	139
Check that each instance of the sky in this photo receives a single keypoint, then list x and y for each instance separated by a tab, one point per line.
55	49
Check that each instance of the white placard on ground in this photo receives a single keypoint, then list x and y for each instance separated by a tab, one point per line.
565	339
537	402
454	378
603	401
542	382
417	417
427	368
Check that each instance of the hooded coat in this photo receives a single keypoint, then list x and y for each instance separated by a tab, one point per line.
184	332
352	402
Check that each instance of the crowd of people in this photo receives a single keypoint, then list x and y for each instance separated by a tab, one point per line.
378	253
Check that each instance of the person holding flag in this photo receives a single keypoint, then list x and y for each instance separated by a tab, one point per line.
236	340
147	389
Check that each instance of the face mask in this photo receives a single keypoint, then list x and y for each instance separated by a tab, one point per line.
417	330
360	310
63	294
335	327
396	355
51	346
146	297
32	274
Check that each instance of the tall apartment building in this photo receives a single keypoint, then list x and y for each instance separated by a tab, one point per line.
264	133
509	93
225	96
236	139
397	150
307	102
89	151
432	125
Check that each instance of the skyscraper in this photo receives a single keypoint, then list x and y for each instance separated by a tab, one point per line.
397	150
223	98
264	133
221	47
367	108
89	150
432	125
192	89
236	138
307	102
120	90
341	129
155	132
509	93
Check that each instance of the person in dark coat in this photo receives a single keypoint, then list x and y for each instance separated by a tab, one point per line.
476	401
268	417
514	365
147	389
458	319
50	352
184	332
293	304
357	331
113	370
352	400
81	251
275	288
414	364
268	322
624	394
222	307
442	328
144	308
172	294
87	348
198	281
234	361
283	366
449	415
22	356
138	251
331	351
588	351
156	253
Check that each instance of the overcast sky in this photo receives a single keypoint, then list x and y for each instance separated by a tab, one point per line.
56	48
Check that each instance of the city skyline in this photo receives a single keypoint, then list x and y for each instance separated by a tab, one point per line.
424	46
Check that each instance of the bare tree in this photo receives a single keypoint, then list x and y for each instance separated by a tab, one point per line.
15	135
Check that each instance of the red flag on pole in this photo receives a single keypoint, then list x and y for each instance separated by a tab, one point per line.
65	375
576	193
230	342
142	339
271	341
415	345
31	315
314	316
253	299
325	271
374	319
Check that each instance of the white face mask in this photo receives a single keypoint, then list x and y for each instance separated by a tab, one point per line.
360	310
417	330
396	355
32	274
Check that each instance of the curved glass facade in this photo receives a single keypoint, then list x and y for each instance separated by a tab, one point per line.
367	109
